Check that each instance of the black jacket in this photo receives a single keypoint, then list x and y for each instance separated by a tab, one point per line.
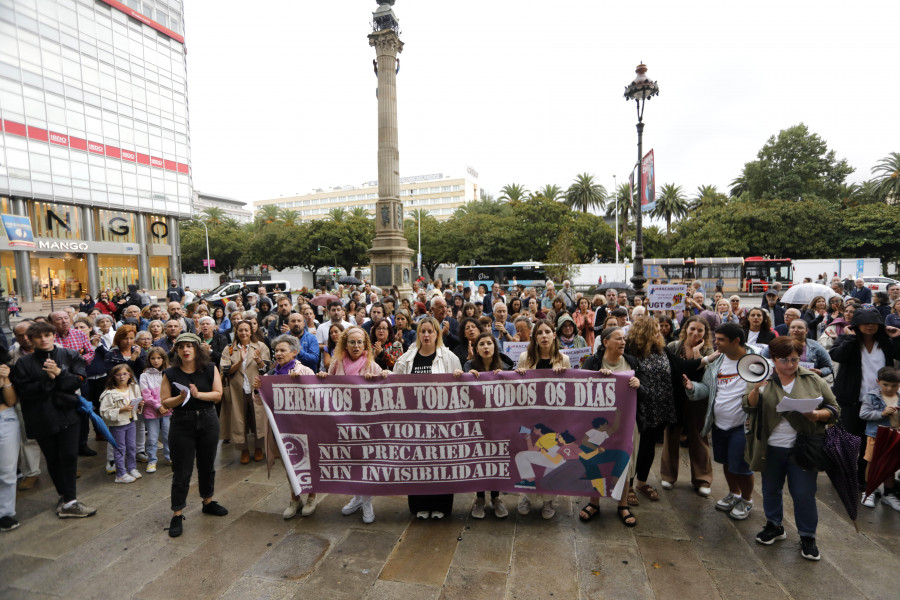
594	362
218	344
49	405
847	351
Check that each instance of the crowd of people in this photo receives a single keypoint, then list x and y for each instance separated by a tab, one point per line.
171	381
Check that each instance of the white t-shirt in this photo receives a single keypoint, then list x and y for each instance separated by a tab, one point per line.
783	435
871	363
597	437
752	336
322	331
730	387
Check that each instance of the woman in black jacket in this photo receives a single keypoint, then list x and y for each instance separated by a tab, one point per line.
47	383
864	347
758	327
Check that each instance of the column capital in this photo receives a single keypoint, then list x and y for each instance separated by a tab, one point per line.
386	42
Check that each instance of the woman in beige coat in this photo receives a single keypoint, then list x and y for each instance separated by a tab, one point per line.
241	364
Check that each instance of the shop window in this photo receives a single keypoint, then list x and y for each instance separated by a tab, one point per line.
158	228
61	221
115	226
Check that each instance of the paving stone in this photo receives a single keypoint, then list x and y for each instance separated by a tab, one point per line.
486	544
294	558
394	590
261	589
208	571
20	594
340	578
371	545
424	553
605	525
544	558
867	570
746	585
474	584
609	571
674	569
15	566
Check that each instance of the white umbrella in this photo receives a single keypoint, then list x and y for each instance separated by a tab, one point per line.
803	293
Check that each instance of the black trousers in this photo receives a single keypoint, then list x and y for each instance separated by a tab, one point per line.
193	434
647	451
432	502
61	453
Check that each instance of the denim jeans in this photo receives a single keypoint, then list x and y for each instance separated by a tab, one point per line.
193	434
9	456
801	485
140	434
124	455
157	429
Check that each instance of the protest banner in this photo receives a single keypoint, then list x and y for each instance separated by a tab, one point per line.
666	297
554	433
577	356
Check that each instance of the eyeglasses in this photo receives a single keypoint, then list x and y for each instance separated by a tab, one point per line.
789	361
356	342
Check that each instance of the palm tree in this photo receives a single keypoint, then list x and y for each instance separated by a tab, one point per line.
738	186
290	216
887	178
584	194
213	215
706	196
268	214
337	214
513	193
232	223
360	212
550	192
670	203
623	201
485	196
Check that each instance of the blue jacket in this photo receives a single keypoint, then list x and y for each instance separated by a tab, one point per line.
862	294
309	351
870	410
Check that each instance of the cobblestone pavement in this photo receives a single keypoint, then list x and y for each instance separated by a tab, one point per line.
682	548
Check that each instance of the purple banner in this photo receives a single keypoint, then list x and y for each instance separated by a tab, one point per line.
567	433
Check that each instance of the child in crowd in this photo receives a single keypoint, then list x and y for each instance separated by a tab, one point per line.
880	410
119	404
156	416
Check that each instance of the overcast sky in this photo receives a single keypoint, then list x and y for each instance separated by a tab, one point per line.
282	93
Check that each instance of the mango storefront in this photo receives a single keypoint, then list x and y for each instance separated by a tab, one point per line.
77	250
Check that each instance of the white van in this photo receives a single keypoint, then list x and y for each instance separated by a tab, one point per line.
226	292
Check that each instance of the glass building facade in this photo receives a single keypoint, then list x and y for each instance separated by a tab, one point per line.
94	144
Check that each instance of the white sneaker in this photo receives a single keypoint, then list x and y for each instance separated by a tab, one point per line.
548	511
478	508
291	511
422	514
110	468
151	468
499	508
704	491
351	507
368	512
727	503
524	506
436	514
135	473
741	510
126	478
309	507
891	500
666	485
868	501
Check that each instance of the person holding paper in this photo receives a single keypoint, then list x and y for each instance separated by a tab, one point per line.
120	403
194	430
777	434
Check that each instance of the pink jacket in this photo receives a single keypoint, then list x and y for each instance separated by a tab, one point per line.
337	368
151	380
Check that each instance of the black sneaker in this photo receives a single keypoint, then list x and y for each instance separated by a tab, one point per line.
770	533
85	451
215	509
8	523
808	548
175	526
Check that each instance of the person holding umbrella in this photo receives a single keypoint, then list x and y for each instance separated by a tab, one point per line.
779	434
879	409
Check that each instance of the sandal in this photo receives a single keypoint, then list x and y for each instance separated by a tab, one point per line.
626	516
632	498
589	512
648	491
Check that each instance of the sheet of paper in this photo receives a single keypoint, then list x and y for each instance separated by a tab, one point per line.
183	388
807	365
801	405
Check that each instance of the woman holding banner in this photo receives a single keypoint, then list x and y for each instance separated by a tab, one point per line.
354	356
542	353
610	358
428	356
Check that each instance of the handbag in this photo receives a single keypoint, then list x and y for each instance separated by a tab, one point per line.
809	454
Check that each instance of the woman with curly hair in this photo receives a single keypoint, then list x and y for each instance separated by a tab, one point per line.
758	327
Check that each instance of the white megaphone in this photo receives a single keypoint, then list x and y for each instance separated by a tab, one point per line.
753	368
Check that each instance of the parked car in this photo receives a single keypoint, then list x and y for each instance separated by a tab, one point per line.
879	284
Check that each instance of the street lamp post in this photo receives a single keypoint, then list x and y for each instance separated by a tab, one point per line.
206	229
640	90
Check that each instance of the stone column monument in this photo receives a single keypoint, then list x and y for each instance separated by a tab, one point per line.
391	257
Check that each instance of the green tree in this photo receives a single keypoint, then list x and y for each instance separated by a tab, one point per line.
795	164
290	216
360	212
562	259
870	231
213	215
585	194
550	192
670	203
268	214
226	247
337	214
656	243
706	196
513	193
887	178
434	243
